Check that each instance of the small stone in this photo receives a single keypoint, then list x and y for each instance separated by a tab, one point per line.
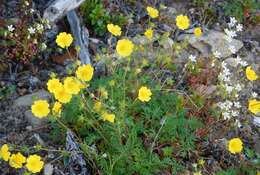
257	121
34	121
48	169
27	100
29	128
211	42
257	146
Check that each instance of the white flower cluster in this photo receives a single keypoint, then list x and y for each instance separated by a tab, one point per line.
231	32
231	107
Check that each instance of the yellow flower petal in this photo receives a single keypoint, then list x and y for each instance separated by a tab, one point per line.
149	33
235	145
40	108
144	94
57	108
62	95
108	117
17	160
85	72
250	74
183	22
254	106
153	13
72	85
53	85
4	152
114	29
34	163
64	39
197	32
124	47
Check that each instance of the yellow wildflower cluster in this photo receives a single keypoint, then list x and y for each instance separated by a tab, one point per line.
33	163
63	92
253	104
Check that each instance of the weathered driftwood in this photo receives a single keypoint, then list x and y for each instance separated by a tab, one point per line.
60	8
81	36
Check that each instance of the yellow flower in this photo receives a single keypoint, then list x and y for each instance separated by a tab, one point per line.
149	33
258	173
72	85
34	163
97	106
197	173
201	162
40	108
4	152
57	108
153	13
144	94
17	160
250	74
182	22
108	117
103	92
83	85
112	83
197	32
254	106
53	84
64	39
114	29
124	47
85	73
62	95
235	145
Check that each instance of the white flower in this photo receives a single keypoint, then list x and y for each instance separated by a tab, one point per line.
234	113
10	28
232	22
243	63
39	27
229	89
230	33
238	87
226	115
239	28
228	39
217	54
43	46
32	10
237	123
31	30
26	3
232	49
237	104
192	58
254	94
104	155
